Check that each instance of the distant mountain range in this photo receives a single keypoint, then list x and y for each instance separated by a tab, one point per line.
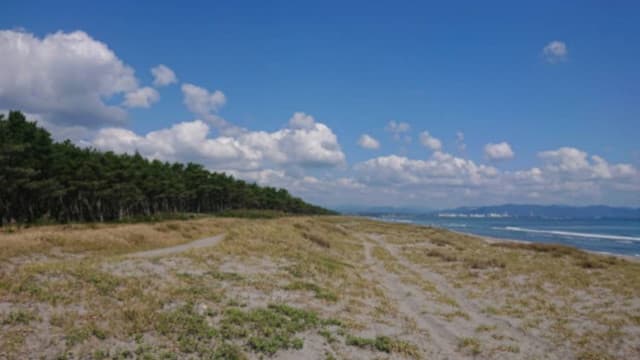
510	210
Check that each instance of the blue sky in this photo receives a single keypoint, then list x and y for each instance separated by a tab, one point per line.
479	70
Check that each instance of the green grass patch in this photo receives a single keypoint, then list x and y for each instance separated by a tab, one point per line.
267	330
228	351
190	329
319	292
78	335
384	344
19	317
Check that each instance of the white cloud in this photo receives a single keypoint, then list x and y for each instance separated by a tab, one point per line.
300	120
63	77
200	101
318	190
577	164
142	97
499	151
570	175
397	127
368	142
555	51
316	146
440	169
567	175
533	175
399	130
205	104
430	142
565	159
163	76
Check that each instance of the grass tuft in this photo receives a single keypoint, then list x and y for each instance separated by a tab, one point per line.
384	344
19	317
320	293
470	344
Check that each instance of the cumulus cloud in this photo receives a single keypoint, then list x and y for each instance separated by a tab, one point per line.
578	165
566	175
499	151
315	146
368	142
430	142
573	175
163	76
565	159
205	104
555	51
63	77
440	169
327	190
300	120
142	97
200	101
398	130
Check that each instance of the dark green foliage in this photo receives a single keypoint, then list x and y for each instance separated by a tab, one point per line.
252	214
42	180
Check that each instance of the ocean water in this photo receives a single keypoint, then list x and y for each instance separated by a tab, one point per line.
615	236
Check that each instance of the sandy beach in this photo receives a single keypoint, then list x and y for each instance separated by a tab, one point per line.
308	288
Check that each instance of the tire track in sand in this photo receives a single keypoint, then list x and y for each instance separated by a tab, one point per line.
445	335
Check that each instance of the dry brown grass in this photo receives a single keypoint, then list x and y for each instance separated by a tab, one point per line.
106	238
553	249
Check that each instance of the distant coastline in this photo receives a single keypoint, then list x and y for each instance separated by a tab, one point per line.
507	210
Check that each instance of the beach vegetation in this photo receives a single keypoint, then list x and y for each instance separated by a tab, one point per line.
384	344
470	344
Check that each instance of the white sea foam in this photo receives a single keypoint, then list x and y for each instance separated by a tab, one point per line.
573	234
456	225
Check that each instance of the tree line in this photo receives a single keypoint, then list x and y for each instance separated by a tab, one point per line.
44	180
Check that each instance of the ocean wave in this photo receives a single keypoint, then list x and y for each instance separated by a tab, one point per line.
455	225
392	219
573	234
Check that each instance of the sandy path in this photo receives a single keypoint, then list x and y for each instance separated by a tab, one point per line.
206	242
437	341
444	335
